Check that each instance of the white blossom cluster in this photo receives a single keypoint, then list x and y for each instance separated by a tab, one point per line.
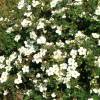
44	51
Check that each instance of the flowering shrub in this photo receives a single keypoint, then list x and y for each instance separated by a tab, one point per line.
51	50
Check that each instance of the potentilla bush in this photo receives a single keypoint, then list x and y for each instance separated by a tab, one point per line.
51	50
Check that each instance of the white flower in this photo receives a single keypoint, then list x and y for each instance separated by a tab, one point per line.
78	2
5	92
56	69
98	61
67	79
26	23
19	79
59	30
2	66
26	50
71	68
40	25
79	34
27	14
75	74
28	92
53	70
9	30
49	43
17	38
50	71
44	95
8	61
64	16
45	80
33	35
97	12
42	88
26	44
95	35
60	44
57	54
2	58
28	7
12	56
21	4
35	81
1	18
53	95
82	51
63	66
41	40
68	85
6	19
67	41
90	99
42	52
38	75
4	77
19	59
95	90
71	61
53	3
35	3
16	25
25	69
98	42
99	91
8	68
37	58
21	50
73	53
